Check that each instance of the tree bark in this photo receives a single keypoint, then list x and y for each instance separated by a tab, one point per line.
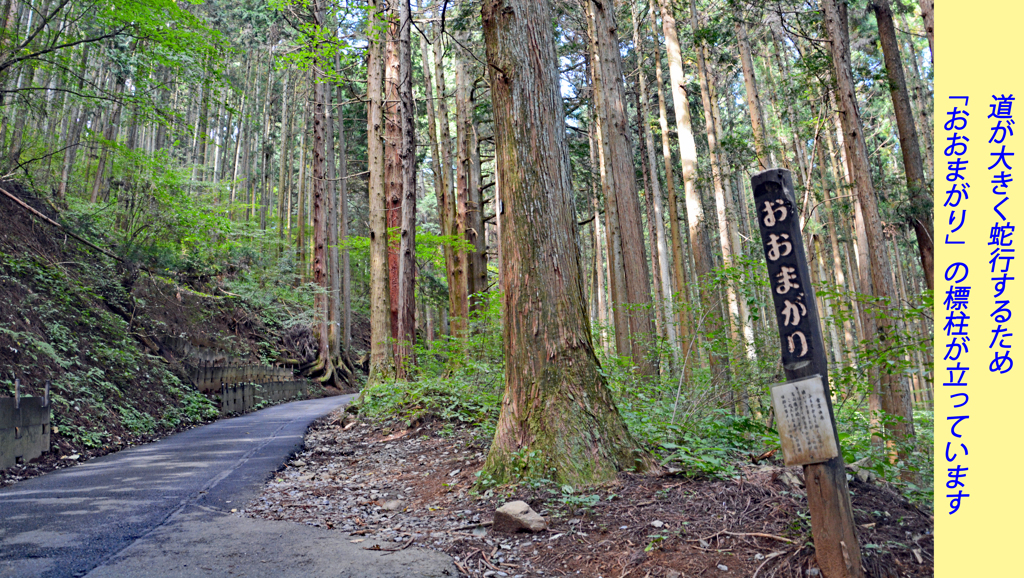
322	199
658	241
557	411
764	158
599	261
720	181
300	215
636	297
703	263
407	261
679	284
346	272
616	276
381	360
285	165
392	161
455	270
894	395
917	186
928	15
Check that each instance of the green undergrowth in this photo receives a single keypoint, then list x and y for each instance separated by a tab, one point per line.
697	427
60	326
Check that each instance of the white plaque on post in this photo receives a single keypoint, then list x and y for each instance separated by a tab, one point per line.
805	428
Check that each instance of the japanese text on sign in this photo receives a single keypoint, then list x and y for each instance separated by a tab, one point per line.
804	425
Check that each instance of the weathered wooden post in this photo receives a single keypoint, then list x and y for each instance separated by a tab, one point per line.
800	404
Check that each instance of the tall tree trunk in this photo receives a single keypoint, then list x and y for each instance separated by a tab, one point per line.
333	217
300	214
435	151
78	119
392	162
321	201
556	402
636	297
658	241
719	178
109	135
284	173
765	159
599	261
475	232
703	263
928	15
464	182
679	284
616	276
833	238
455	270
917	186
407	263
923	100
346	272
381	359
743	319
894	395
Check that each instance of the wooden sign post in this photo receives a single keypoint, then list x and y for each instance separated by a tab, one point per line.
807	423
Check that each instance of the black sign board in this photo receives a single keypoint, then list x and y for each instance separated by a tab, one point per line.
790	279
803	355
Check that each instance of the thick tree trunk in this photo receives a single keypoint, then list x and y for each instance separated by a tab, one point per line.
917	186
636	297
894	395
557	410
380	322
407	259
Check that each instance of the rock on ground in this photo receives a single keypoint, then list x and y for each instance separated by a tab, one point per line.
518	515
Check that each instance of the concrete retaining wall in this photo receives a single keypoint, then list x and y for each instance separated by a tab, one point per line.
24	430
241	397
210	379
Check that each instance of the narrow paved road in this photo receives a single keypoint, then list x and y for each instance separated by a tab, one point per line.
164	509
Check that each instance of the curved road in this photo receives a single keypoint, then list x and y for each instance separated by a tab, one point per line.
164	509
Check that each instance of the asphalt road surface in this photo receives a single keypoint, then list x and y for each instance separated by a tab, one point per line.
164	509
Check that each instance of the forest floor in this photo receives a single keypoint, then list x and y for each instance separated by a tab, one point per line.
382	482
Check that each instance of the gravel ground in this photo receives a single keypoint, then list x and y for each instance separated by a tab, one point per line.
384	483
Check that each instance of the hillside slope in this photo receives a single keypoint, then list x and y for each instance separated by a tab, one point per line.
96	328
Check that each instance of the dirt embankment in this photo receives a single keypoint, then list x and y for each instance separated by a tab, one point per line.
94	327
